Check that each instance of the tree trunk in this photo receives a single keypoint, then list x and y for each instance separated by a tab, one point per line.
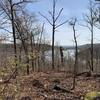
91	47
13	29
53	47
76	58
32	62
62	56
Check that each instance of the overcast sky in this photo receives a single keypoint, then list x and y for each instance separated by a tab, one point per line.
72	8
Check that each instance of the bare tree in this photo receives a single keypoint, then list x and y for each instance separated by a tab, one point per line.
9	10
54	25
73	24
90	20
11	15
25	30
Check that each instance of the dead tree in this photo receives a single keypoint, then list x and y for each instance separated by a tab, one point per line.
54	25
73	24
62	56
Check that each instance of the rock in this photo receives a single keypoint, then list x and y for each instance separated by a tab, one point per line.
92	96
97	98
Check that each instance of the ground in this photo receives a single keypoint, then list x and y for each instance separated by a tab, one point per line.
40	86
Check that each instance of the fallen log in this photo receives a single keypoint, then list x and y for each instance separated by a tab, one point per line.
60	89
86	74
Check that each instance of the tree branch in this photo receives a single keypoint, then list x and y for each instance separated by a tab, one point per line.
21	2
61	24
50	14
59	14
46	18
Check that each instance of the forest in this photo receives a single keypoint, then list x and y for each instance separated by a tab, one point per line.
33	63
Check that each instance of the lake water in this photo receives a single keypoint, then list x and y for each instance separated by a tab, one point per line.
66	53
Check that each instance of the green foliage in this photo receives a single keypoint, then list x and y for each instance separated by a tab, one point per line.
91	95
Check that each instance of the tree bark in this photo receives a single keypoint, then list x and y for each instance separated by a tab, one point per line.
13	29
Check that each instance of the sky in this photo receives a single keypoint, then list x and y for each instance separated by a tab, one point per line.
71	8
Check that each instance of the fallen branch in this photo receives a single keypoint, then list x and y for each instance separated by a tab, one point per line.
8	80
60	89
86	74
